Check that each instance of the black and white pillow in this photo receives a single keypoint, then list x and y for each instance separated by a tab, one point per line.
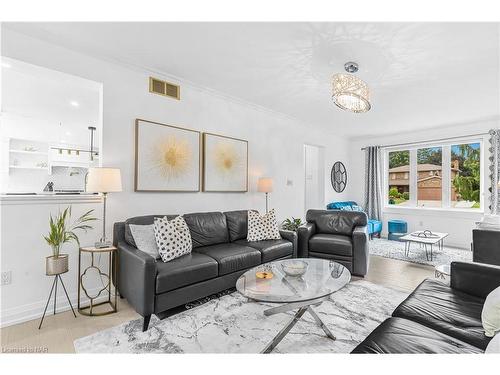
172	237
262	227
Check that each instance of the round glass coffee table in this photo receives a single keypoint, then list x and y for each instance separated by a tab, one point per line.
269	283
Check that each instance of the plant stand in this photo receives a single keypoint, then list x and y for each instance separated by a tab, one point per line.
54	286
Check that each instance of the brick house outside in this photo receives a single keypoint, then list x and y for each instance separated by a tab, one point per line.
429	180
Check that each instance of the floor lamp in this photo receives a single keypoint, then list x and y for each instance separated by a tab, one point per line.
265	185
104	180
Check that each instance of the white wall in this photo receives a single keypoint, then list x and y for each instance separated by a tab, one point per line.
275	150
275	141
458	224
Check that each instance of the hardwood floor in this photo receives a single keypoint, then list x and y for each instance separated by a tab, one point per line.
59	331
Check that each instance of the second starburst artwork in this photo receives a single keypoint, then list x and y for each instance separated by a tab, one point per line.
225	163
167	158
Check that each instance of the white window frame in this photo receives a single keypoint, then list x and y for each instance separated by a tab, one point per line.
445	172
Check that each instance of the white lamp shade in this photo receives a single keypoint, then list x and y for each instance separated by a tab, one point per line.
265	185
104	180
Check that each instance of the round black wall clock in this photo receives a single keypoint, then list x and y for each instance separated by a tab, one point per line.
339	177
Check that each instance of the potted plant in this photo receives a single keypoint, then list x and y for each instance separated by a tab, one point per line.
292	224
63	231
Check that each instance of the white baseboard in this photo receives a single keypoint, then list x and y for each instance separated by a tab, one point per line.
31	311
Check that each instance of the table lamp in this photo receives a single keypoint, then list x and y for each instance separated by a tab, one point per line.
104	180
265	185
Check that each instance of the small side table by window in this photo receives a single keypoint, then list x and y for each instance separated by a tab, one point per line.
110	277
442	271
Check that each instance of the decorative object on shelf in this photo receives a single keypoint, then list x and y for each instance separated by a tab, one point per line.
104	180
61	232
338	177
49	187
225	164
349	92
265	185
110	277
294	268
167	158
291	224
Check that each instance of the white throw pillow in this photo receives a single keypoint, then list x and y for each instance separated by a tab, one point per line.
144	238
490	317
262	227
172	237
494	345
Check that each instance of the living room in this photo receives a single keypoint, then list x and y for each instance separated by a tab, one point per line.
190	187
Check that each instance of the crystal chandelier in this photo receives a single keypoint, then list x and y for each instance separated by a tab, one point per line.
349	92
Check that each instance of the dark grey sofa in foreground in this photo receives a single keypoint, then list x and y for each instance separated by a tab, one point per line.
220	255
341	236
439	318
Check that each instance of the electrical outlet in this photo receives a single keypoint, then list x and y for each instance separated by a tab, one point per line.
421	223
6	277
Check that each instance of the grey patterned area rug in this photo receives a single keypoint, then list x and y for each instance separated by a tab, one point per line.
233	324
396	250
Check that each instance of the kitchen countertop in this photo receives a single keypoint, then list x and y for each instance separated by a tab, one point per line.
48	198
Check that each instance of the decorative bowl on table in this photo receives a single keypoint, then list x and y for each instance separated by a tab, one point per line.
294	267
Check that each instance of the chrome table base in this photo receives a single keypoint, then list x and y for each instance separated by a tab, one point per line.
303	307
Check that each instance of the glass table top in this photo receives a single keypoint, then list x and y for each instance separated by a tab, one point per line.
321	278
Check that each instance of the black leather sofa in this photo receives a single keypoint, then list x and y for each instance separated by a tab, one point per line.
437	318
341	236
220	255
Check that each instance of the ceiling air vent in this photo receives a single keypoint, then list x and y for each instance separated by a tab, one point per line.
157	86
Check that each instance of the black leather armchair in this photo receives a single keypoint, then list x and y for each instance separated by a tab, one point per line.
341	236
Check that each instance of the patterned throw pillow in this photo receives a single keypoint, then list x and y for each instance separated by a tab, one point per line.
357	208
262	227
172	237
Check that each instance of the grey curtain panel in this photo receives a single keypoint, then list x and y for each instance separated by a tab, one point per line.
494	171
373	200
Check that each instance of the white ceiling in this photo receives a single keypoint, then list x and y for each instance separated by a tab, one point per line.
51	105
422	75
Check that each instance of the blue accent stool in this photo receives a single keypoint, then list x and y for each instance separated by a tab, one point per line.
374	226
397	229
397	226
395	236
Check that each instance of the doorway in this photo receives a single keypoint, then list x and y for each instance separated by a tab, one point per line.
314	177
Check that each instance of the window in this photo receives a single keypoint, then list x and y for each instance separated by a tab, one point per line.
465	175
399	182
446	175
429	179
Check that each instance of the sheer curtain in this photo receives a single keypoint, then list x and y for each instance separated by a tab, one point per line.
494	171
373	200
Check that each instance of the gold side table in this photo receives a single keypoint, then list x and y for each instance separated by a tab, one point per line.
110	276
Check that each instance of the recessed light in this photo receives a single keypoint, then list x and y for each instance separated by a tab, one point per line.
74	104
68	133
6	65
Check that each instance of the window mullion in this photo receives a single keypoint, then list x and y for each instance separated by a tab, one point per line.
413	178
446	176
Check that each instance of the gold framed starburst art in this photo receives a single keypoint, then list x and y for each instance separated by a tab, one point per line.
167	158
225	164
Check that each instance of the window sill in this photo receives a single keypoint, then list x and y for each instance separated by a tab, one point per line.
435	211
